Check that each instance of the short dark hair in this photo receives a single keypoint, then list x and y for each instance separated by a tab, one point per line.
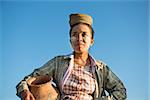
92	31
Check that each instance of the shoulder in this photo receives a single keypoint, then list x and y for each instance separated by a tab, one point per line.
100	64
60	58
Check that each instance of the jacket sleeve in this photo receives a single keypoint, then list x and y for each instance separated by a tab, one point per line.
113	85
46	69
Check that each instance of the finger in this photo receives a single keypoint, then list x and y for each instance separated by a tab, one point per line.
109	98
27	98
32	97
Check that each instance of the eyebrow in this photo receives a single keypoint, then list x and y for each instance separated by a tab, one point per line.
79	32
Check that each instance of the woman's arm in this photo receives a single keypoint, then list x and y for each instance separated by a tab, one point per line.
46	69
114	86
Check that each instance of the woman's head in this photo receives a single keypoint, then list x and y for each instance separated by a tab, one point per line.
81	38
91	29
81	32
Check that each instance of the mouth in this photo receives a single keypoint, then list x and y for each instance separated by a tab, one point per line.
80	43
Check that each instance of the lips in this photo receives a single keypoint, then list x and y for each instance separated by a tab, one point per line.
80	43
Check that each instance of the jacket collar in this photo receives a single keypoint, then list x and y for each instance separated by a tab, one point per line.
99	64
68	56
96	63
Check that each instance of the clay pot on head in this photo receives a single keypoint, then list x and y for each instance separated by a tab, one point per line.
42	89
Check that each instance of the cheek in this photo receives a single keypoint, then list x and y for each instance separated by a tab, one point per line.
87	40
73	39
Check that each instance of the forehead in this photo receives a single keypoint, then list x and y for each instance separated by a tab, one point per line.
81	28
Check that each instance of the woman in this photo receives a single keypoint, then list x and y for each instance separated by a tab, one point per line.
78	75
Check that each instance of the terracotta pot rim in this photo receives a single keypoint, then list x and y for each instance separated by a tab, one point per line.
39	85
34	78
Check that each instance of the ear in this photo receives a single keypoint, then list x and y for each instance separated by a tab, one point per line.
70	42
92	42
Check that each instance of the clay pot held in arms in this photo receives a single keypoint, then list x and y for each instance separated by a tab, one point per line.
42	89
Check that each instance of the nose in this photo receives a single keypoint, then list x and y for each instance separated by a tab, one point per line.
80	38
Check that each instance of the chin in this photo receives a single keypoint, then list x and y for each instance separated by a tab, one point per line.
80	51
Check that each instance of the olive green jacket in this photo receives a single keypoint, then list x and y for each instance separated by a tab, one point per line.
106	79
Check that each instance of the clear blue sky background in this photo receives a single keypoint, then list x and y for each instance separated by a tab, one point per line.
32	32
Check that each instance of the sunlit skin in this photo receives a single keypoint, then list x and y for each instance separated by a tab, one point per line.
81	40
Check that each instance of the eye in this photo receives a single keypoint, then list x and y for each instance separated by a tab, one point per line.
84	34
73	34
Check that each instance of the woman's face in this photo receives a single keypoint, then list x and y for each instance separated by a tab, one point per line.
81	38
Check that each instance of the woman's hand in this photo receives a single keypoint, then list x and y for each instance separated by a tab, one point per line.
27	95
106	98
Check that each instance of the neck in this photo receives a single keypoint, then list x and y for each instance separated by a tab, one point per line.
81	58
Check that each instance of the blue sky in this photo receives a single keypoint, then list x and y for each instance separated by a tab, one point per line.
32	32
